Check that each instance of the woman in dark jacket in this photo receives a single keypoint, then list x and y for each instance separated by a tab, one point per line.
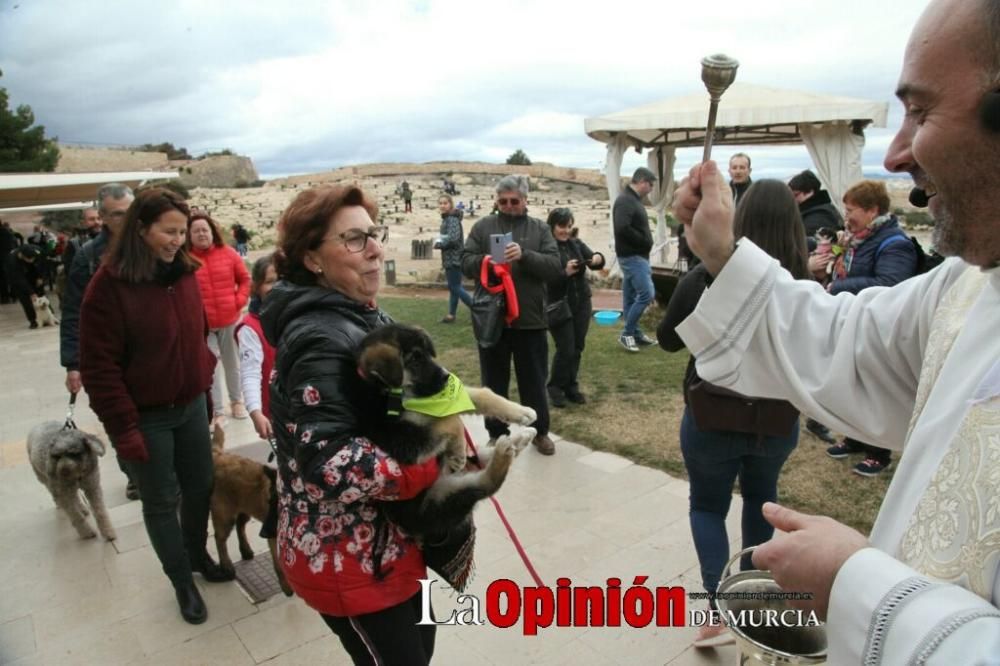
877	254
337	549
569	308
451	241
714	458
146	367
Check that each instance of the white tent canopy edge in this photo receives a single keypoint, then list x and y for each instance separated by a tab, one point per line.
831	127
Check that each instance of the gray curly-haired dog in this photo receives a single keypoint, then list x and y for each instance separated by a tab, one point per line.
65	461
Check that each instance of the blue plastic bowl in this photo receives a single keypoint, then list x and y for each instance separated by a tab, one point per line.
607	317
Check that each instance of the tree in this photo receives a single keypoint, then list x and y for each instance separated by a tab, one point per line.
518	157
168	148
23	148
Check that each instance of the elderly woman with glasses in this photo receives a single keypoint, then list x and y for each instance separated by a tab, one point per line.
337	549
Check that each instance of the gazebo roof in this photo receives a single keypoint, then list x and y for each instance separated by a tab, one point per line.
44	191
748	114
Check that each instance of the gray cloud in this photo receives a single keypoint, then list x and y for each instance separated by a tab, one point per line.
308	86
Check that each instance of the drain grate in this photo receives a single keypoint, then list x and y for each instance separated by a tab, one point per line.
257	577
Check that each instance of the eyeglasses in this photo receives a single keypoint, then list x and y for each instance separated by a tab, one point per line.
508	202
356	240
113	215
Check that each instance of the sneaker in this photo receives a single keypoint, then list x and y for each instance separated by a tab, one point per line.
557	398
820	431
574	395
239	411
544	445
870	467
709	636
628	342
449	319
840	450
644	340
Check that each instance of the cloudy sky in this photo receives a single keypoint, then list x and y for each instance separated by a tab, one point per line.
303	85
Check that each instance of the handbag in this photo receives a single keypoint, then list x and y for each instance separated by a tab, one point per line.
488	311
558	312
717	408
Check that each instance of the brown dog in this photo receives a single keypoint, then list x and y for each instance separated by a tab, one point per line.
244	489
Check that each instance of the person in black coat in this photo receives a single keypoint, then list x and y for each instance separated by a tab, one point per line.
815	206
25	279
569	308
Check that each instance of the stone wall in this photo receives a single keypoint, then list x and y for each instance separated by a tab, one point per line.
216	171
78	159
588	177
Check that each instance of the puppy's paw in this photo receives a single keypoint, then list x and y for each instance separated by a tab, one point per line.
504	447
455	464
527	416
109	534
85	531
522	439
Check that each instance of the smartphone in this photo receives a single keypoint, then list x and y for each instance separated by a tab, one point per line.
498	243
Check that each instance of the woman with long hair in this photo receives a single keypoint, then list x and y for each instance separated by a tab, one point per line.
146	368
753	448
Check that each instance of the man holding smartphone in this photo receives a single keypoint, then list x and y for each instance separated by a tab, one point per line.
533	259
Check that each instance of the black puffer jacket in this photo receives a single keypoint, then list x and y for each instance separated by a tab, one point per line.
315	333
539	261
818	212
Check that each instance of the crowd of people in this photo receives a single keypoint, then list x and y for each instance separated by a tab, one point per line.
898	359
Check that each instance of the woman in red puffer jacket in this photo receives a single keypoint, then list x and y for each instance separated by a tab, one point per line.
225	289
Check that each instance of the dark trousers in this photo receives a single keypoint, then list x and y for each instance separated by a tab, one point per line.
456	291
530	351
388	637
179	465
569	338
884	456
24	298
714	459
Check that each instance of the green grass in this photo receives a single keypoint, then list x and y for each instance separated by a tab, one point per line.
635	406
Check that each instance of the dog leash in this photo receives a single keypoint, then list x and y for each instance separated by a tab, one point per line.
506	523
70	424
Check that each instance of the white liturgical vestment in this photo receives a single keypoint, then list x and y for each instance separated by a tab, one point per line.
913	367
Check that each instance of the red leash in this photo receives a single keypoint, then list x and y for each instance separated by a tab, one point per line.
506	523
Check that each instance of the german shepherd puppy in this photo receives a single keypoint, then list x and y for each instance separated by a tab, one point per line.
243	489
400	358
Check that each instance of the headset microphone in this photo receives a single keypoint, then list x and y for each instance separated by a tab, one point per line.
989	111
919	198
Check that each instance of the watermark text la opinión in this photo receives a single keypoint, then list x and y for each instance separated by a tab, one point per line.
638	606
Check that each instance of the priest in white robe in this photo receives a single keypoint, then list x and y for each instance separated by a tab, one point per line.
915	367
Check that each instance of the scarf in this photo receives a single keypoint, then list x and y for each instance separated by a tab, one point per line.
854	241
501	272
452	399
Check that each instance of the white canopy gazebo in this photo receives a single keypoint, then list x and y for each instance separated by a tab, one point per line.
831	127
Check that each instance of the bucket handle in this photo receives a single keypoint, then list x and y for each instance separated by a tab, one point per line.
732	560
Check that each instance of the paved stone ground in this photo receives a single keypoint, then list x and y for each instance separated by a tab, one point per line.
580	514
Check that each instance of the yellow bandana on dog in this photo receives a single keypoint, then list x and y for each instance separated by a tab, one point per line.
452	399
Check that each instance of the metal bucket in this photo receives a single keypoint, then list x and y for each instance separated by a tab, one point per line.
766	644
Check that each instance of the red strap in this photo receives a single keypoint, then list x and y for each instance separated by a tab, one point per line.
506	523
502	273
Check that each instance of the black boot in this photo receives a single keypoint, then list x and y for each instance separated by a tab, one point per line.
191	604
206	566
